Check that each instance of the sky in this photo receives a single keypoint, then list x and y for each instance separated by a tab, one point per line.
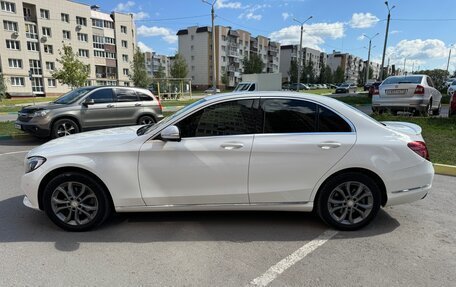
421	31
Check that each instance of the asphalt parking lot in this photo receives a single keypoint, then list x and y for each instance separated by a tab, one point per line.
407	245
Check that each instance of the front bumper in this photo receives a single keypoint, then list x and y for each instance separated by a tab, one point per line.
37	129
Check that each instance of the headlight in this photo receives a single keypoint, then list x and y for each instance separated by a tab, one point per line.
41	113
33	163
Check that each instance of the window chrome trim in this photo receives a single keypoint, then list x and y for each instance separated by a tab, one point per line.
412	189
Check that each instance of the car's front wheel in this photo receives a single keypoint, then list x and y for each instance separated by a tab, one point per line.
146	120
349	201
64	127
76	202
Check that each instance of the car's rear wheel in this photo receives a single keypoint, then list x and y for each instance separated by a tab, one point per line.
427	112
349	201
437	111
146	120
76	202
64	127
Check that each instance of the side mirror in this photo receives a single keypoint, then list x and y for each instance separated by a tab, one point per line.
88	102
170	133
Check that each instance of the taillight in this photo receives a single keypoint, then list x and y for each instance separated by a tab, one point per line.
376	91
419	148
419	90
159	104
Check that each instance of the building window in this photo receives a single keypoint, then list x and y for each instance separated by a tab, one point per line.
124	44
33	46
65	17
47	31
123	29
98	42
37	85
66	35
83	53
97	23
81	21
126	72
35	67
109	24
50	66
48	49
10	26
83	37
192	37
125	58
193	58
51	83
13	45
44	14
191	47
8	6
17	81
109	40
15	63
31	31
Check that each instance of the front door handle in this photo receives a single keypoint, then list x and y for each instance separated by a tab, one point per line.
110	106
231	146
329	145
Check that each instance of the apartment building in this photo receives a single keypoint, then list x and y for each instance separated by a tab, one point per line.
231	46
35	30
289	53
154	61
351	65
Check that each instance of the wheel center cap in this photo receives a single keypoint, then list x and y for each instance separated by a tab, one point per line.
350	203
74	204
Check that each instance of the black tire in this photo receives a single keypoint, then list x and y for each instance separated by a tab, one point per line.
64	127
329	188
437	111
146	120
100	194
428	111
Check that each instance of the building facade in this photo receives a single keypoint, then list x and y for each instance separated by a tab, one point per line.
289	53
350	64
231	47
35	31
154	61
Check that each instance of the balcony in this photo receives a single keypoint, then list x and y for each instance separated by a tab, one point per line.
233	53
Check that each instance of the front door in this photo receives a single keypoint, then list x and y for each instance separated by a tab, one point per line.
102	112
209	165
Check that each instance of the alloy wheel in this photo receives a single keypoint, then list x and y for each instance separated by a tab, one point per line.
65	129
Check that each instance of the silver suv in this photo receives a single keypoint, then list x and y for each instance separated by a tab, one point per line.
90	108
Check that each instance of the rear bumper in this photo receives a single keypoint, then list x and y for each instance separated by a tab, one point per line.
400	103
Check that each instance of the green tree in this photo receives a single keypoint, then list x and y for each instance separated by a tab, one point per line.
293	72
339	75
328	75
225	79
253	65
73	73
308	73
2	87
139	73
179	68
438	76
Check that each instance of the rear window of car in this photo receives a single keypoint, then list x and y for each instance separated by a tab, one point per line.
403	80
453	83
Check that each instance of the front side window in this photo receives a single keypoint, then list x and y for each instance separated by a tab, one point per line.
289	116
125	95
102	96
224	119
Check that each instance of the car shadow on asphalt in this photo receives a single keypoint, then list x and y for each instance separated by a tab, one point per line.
28	141
21	224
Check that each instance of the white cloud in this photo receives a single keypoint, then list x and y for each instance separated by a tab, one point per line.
361	37
166	34
250	10
143	47
285	15
363	20
394	32
220	4
314	34
140	15
122	7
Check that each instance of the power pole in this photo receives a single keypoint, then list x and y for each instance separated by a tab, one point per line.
300	50
369	55
405	60
449	57
214	73
386	38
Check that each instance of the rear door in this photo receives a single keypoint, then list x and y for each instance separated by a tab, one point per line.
301	142
102	112
129	106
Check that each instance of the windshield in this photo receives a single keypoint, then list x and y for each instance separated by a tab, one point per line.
73	96
453	83
344	85
148	128
403	80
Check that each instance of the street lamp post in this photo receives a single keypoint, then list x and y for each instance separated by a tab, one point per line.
386	38
369	55
300	50
214	74
449	58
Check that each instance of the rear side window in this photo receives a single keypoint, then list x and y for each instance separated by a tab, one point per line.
289	116
329	121
102	96
429	82
126	95
144	96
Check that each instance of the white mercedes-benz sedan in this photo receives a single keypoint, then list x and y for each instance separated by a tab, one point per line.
240	151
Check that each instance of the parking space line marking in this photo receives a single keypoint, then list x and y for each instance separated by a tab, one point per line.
14	152
273	272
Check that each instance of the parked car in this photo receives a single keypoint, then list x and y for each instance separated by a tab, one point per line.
302	86
449	82
211	91
451	88
413	93
346	88
238	151
286	86
368	84
452	107
373	89
90	108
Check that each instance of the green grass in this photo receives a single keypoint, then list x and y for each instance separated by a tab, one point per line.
7	128
319	91
439	134
355	100
9	109
11	102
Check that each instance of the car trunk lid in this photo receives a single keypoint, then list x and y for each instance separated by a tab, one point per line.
410	129
403	90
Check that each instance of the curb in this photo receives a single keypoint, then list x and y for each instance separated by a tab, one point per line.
445	169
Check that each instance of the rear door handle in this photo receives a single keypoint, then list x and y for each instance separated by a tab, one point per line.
138	105
110	106
329	145
231	146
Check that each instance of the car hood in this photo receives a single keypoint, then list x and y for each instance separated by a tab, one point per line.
87	142
41	106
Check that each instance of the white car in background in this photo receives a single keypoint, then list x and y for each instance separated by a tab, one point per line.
410	93
451	88
240	151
